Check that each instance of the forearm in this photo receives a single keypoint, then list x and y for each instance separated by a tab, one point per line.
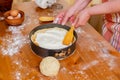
81	4
105	8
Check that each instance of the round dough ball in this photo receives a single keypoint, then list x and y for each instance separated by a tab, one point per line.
49	66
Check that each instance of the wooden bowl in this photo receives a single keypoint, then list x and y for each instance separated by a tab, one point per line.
57	53
13	21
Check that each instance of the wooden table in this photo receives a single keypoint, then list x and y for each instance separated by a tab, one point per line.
93	59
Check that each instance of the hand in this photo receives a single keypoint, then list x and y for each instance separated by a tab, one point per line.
59	17
81	18
65	16
68	15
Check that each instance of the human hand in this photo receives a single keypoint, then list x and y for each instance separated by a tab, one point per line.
64	16
81	18
69	15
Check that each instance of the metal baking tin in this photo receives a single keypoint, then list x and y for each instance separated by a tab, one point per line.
57	53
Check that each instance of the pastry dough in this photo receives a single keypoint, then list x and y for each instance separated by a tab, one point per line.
49	66
45	19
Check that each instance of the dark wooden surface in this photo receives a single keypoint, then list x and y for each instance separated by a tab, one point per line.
5	5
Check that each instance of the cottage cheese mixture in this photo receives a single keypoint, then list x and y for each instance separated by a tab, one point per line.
50	38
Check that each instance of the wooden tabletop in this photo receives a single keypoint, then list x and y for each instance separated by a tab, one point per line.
93	59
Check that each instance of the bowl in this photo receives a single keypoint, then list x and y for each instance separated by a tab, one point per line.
59	53
14	21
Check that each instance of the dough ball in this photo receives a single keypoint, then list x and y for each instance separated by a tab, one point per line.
49	66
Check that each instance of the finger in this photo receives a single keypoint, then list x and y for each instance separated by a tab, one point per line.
75	22
78	23
59	18
56	20
72	19
66	17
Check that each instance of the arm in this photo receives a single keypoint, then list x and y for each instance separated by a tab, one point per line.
80	4
64	16
105	8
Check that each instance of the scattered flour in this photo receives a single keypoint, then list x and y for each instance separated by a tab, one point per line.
79	30
15	41
18	76
63	69
81	70
12	44
99	46
111	60
84	67
88	65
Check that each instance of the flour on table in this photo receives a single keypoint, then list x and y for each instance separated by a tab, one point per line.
12	43
18	75
79	30
88	65
79	72
111	60
63	69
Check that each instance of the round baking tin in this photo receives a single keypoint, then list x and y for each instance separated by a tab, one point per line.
57	53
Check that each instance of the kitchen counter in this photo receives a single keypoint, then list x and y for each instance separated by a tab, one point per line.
93	59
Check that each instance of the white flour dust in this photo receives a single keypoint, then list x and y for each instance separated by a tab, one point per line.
81	70
88	65
111	60
85	67
63	69
80	31
18	76
12	43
